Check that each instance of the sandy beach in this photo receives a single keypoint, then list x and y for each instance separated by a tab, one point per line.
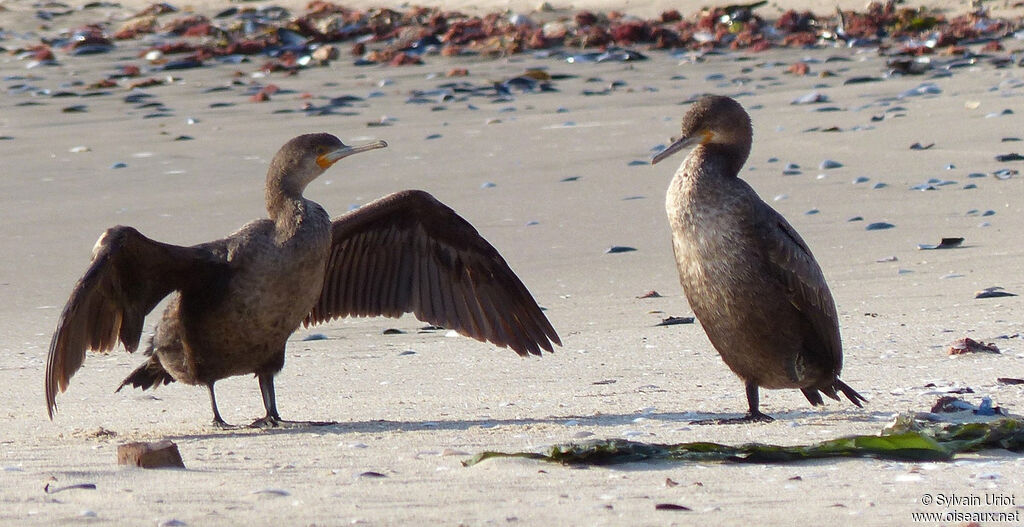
552	179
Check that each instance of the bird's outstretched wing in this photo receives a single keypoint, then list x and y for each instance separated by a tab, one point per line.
128	276
791	260
408	252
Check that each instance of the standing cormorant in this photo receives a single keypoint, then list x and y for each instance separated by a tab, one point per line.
748	276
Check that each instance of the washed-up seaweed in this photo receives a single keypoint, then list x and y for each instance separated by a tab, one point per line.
381	35
909	438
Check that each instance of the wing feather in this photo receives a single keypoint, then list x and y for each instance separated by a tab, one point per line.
793	262
409	253
128	276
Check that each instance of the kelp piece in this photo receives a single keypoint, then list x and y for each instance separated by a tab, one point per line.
907	439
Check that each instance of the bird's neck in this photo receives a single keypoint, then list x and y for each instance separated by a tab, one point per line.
719	160
285	204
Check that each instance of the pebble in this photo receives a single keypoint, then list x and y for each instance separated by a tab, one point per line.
614	249
861	179
945	243
271	492
79	149
993	292
487	184
811	98
118	165
828	164
878	226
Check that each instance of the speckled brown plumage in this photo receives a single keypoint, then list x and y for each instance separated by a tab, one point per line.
748	276
237	300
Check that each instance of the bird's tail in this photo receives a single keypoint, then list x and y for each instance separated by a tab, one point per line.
150	375
832	391
850	393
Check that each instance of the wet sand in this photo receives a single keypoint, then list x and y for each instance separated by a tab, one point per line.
414	417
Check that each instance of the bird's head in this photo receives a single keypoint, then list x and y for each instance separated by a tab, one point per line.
304	158
716	122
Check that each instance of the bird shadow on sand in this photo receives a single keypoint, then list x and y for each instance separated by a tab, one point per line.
570	422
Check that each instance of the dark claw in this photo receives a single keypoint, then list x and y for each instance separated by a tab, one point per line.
219	423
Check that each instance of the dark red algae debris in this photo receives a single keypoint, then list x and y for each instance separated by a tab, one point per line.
405	36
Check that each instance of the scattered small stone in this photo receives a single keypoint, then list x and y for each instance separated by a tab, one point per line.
487	184
878	226
671	507
371	474
811	212
969	345
861	179
1009	157
828	163
393	331
271	492
811	98
887	259
993	292
161	454
945	243
619	249
1010	380
1004	173
919	146
406	353
314	336
650	294
53	490
118	165
674	321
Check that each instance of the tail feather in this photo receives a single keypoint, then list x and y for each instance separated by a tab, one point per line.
850	393
150	375
814	394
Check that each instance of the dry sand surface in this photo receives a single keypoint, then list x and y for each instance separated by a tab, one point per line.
413	418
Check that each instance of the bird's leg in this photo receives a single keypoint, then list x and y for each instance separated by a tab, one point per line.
272	419
217	420
754	415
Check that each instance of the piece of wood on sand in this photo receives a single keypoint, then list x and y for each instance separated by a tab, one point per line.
159	454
